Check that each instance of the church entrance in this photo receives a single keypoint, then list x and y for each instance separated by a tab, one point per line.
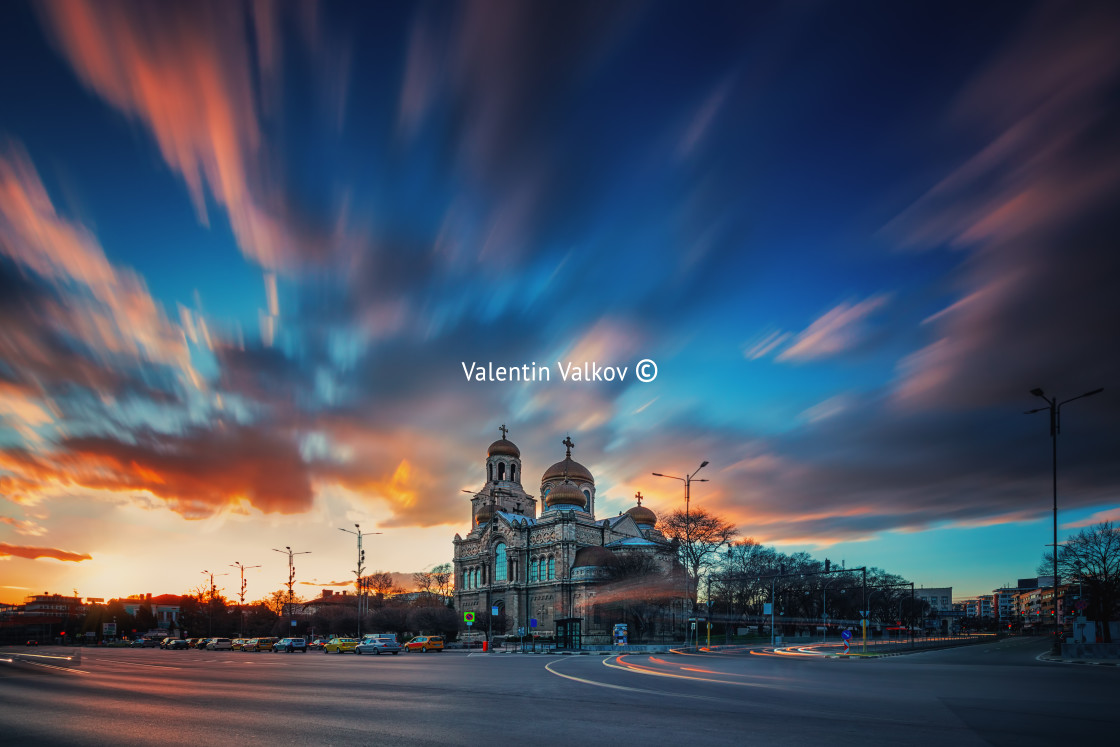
569	633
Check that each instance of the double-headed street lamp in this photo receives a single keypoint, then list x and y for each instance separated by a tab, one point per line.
1055	409
211	606
291	577
241	605
687	480
360	569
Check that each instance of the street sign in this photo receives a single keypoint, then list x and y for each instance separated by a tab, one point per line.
468	617
533	622
767	608
521	631
494	611
846	634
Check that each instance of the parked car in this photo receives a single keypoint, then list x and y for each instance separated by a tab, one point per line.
177	644
318	643
238	643
289	645
378	645
425	643
340	645
259	644
219	644
193	642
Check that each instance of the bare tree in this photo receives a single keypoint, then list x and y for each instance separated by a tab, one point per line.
1093	557
700	534
441	576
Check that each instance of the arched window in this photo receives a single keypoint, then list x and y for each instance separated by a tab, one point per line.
490	472
532	570
587	495
513	472
541	569
552	568
501	470
500	559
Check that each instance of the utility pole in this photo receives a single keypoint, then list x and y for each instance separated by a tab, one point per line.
291	576
241	604
360	569
211	605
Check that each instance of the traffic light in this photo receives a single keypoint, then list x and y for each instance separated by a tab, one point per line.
827	565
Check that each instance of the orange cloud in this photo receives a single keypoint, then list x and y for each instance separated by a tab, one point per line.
34	553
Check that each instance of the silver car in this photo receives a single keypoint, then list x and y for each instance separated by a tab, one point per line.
379	645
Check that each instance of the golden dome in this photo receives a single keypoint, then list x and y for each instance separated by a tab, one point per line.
642	515
566	494
593	556
484	514
502	447
573	469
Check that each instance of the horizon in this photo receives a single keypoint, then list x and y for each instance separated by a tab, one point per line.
268	272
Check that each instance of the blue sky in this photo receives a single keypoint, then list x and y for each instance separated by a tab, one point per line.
245	249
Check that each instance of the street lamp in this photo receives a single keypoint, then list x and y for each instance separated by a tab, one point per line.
1055	409
241	604
291	577
687	480
360	569
211	605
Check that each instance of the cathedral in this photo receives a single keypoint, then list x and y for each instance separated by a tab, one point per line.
563	572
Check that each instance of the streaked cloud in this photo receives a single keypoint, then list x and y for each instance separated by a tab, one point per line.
35	553
836	331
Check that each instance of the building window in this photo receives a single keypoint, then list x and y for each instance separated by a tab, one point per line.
501	470
540	569
532	571
500	557
551	568
513	472
490	472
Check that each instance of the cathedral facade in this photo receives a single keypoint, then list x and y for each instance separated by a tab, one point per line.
563	572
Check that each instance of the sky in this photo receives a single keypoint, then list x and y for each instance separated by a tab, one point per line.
248	252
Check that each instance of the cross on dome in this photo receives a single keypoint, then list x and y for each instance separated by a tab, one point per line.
504	430
568	442
639	496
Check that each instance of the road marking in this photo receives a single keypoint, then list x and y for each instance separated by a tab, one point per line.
137	664
584	681
645	670
61	669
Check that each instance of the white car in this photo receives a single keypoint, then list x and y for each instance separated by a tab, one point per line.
219	644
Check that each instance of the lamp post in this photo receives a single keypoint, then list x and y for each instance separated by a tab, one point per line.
359	570
241	604
210	614
291	577
1055	409
687	480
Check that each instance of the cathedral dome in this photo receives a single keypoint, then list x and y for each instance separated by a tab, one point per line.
502	447
593	556
571	468
642	515
484	514
566	494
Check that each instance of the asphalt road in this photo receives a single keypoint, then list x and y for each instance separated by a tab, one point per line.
996	693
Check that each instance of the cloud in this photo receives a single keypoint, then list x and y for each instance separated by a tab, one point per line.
197	474
836	331
119	316
23	527
1033	207
189	74
1098	517
34	553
